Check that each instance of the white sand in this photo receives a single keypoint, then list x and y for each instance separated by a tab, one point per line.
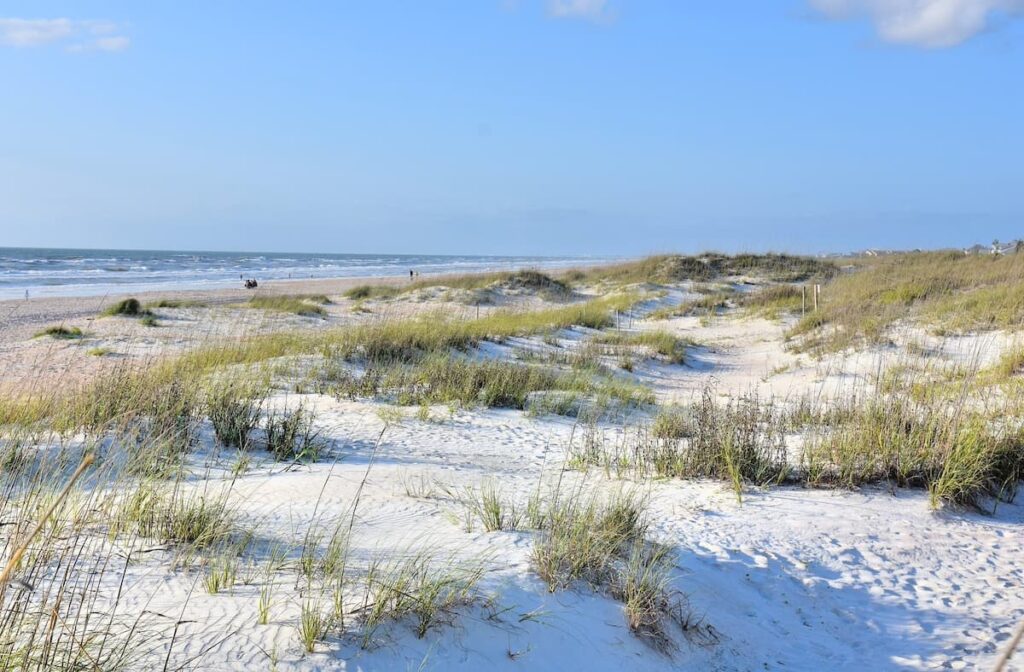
791	579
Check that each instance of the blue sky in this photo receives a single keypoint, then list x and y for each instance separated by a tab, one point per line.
504	126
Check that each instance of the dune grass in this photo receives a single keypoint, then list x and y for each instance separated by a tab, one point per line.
360	292
949	291
531	281
774	301
670	347
960	453
446	379
175	303
60	332
297	304
710	303
120	394
292	435
126	308
674	268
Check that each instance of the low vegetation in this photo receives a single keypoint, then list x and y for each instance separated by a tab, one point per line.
776	301
292	436
670	347
360	292
307	305
127	308
583	538
61	332
960	455
948	291
709	304
674	268
448	379
526	281
234	410
175	303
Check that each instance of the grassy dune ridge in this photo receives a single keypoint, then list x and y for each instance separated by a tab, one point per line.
949	292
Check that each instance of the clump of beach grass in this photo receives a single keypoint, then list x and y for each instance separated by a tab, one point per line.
774	301
447	379
292	435
297	304
418	588
196	520
61	332
130	307
495	512
234	410
602	541
670	347
362	292
175	303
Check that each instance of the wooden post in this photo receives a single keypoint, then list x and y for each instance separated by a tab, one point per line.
817	289
803	300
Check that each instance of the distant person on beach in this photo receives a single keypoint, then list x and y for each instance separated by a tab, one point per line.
26	295
410	274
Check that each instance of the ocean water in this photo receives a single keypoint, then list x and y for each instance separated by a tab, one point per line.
56	272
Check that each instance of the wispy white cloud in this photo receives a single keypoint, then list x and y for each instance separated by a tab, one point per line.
34	32
89	35
113	43
932	24
589	10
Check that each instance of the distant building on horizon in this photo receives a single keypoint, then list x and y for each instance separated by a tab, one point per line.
1012	247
